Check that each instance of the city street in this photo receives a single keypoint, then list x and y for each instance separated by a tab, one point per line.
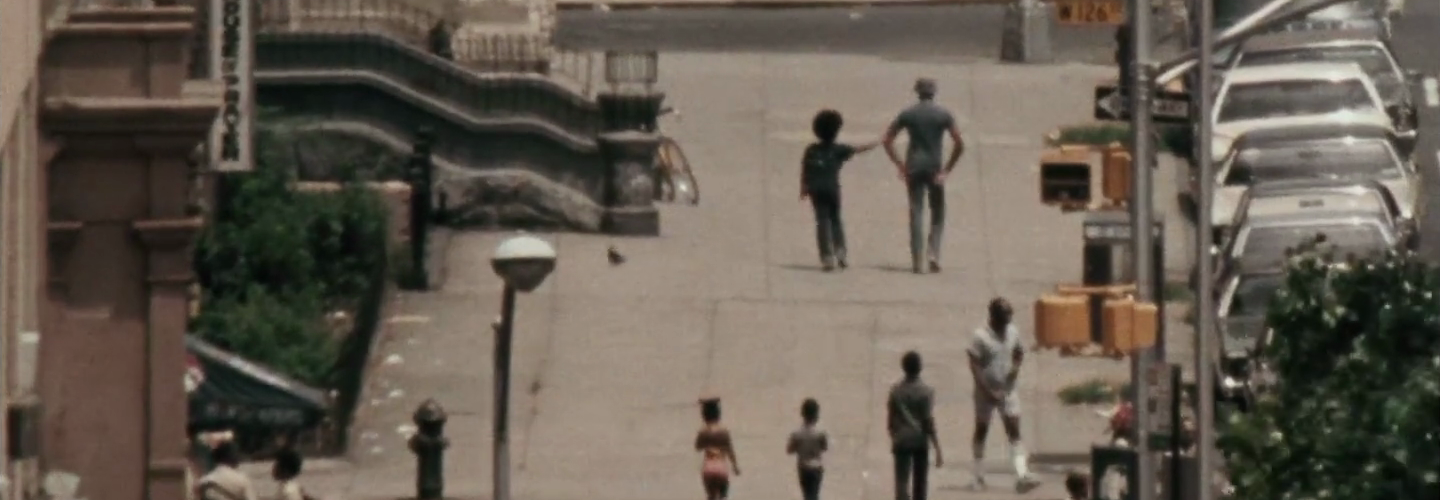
941	34
730	301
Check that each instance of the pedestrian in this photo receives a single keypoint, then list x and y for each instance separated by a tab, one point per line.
910	419
995	359
1077	485
925	123
808	443
820	183
717	451
225	481
286	472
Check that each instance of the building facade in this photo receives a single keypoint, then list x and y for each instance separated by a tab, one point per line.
96	131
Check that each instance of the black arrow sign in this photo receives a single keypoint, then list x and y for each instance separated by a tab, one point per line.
1169	106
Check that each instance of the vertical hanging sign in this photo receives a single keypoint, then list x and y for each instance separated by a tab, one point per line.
232	59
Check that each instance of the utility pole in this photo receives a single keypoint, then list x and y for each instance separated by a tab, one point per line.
1142	230
1206	333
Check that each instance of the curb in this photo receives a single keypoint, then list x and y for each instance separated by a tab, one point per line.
757	4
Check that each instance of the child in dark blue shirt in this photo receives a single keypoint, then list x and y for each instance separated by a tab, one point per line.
820	183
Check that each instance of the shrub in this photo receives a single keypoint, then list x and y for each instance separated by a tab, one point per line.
274	262
1357	362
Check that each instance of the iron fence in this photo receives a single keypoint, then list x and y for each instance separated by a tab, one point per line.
632	69
476	94
431	26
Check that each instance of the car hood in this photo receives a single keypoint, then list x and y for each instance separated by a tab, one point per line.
1226	133
1226	202
1238	335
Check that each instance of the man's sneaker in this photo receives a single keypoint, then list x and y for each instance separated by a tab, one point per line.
842	262
1025	484
978	484
934	266
918	269
827	264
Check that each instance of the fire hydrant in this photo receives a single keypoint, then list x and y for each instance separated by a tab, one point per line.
429	444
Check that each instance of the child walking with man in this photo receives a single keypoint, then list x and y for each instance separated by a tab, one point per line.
807	444
820	183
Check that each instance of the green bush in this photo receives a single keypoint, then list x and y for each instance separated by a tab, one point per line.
1353	413
274	261
1173	139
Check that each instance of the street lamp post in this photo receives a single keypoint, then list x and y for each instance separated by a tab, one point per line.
524	262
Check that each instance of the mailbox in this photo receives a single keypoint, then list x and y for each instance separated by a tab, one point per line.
1115	174
1065	177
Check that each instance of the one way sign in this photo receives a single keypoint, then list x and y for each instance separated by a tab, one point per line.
1169	106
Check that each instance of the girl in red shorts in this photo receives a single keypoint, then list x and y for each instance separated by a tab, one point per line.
717	451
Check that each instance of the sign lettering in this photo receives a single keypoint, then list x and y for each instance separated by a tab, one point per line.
1090	11
232	46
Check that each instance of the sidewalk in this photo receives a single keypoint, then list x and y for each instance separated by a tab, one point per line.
755	4
609	361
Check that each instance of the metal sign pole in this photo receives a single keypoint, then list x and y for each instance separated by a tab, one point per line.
1142	230
1206	333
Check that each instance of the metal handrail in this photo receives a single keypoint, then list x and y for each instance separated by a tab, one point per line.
417	23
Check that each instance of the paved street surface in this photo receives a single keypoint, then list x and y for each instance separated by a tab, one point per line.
1416	36
949	33
729	301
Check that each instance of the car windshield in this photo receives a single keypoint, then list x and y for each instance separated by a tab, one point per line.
1371	58
1330	159
1253	101
1265	247
1252	295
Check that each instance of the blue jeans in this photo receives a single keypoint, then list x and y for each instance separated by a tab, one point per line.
922	188
829	230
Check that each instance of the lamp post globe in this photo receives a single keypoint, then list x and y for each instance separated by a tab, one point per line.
523	261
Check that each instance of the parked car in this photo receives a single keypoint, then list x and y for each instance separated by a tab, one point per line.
1242	306
1337	151
1291	95
1374	55
1337	196
1264	242
1369	15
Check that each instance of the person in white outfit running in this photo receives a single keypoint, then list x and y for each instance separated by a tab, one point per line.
995	358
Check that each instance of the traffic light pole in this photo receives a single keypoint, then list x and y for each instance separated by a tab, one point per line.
1206	334
1142	230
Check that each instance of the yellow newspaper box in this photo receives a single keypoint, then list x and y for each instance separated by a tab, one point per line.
1117	325
1145	325
1116	173
1062	321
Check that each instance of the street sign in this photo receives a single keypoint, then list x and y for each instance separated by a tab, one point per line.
1169	106
1090	11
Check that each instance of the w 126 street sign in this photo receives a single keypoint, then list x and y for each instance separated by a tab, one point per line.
1169	106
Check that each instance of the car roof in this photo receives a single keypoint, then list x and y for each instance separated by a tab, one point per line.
1315	204
1300	71
1314	132
1309	38
1285	187
1301	219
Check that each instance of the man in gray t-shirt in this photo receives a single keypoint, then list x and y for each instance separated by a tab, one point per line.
995	358
926	124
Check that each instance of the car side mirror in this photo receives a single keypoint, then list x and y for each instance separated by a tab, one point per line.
1405	145
1397	113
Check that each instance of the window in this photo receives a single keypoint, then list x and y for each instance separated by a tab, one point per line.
1373	59
1330	159
1265	247
1252	295
1253	101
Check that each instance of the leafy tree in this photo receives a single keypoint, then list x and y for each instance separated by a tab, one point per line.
1353	414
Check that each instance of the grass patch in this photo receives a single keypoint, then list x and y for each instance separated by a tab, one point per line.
1092	392
1174	139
